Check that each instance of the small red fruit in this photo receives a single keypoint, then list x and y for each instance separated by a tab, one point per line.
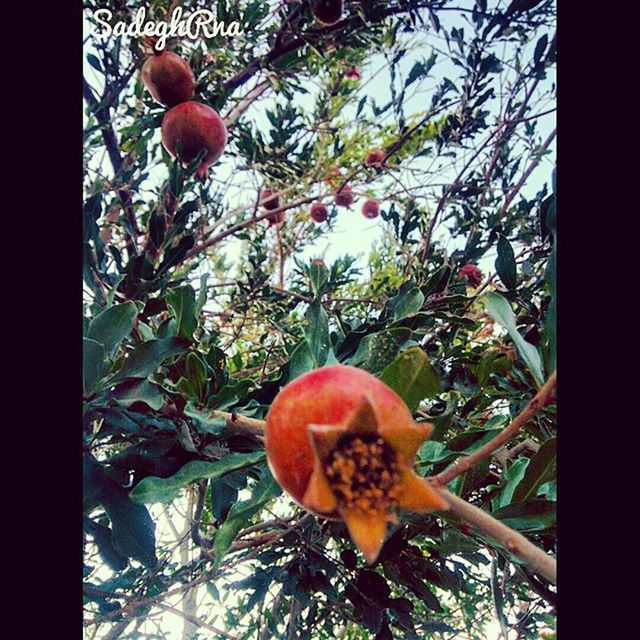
270	202
353	74
194	127
375	158
327	12
318	212
343	444
169	78
344	197
472	274
371	209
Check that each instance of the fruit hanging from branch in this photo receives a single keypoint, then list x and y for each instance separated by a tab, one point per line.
353	73
327	12
270	202
318	212
169	78
371	209
472	274
343	444
375	158
344	197
190	128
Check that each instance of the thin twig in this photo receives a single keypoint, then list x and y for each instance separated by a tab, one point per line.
541	399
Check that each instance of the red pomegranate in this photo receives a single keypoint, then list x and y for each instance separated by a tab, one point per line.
353	73
342	444
318	212
327	12
472	274
169	78
344	197
371	209
270	202
194	127
375	158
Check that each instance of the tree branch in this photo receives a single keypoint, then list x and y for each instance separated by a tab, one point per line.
534	557
540	400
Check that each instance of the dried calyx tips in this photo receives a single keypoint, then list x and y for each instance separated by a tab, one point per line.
363	473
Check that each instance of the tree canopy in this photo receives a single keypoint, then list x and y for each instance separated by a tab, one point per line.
201	304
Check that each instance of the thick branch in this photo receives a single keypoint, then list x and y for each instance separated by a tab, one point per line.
534	557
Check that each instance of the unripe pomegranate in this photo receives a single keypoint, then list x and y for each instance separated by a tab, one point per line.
318	212
371	209
193	127
375	158
327	12
344	197
270	202
169	78
343	444
472	274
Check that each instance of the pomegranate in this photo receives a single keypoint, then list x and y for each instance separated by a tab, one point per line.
344	197
472	274
353	73
270	202
343	444
375	158
327	12
318	212
169	78
194	127
371	209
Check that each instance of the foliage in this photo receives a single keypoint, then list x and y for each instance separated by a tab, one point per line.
194	307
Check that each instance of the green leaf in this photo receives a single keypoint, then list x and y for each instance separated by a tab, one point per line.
197	376
407	303
506	263
113	325
377	350
157	228
527	516
132	527
511	477
92	364
152	489
204	420
182	303
266	490
317	333
491	361
550	318
500	310
412	377
301	361
139	391
145	359
318	275
103	539
541	469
